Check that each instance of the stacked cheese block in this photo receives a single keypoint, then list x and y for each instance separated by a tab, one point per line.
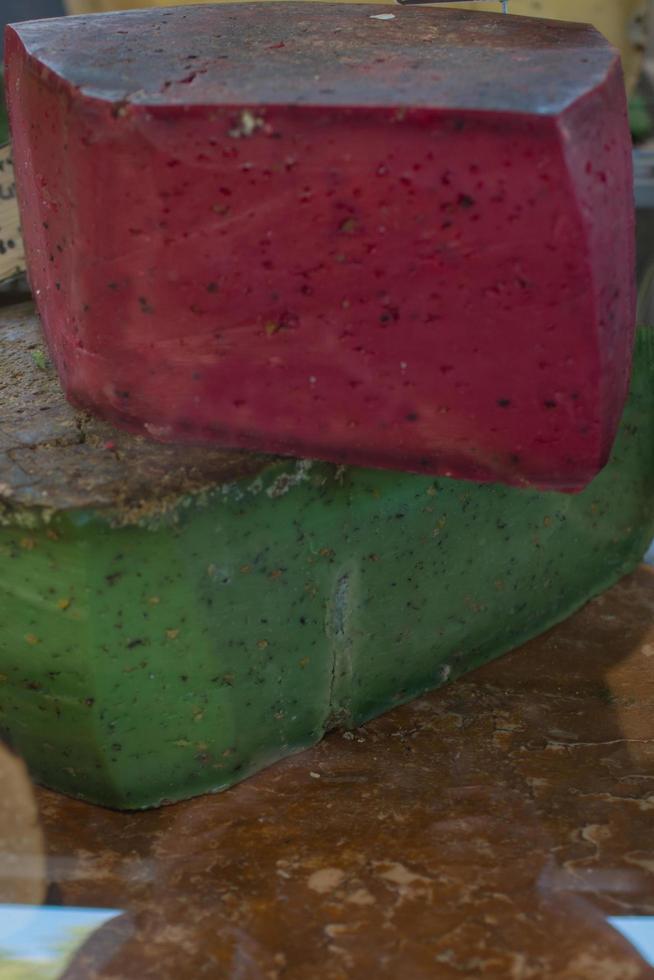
402	242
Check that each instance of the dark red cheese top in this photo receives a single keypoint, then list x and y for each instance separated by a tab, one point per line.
323	54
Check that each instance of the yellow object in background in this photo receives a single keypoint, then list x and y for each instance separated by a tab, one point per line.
614	18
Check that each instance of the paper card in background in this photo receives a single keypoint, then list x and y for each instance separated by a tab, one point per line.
12	253
40	942
639	930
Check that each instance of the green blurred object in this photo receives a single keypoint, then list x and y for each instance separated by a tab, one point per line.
640	118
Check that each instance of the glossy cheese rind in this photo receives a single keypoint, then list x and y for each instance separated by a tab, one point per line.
402	243
148	656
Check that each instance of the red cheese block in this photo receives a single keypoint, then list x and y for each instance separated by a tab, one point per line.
399	239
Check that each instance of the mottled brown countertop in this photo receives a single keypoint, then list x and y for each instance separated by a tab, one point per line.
487	830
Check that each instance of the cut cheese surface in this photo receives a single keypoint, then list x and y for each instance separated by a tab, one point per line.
324	231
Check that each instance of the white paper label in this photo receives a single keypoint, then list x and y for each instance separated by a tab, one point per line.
12	253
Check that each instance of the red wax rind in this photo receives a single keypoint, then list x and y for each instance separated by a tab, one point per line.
402	241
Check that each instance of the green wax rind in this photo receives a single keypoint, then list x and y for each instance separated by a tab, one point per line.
175	655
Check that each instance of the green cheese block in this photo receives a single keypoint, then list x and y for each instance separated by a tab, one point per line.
172	620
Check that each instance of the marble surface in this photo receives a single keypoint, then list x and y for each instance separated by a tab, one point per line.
488	830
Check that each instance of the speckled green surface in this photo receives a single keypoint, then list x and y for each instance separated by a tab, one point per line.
157	660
